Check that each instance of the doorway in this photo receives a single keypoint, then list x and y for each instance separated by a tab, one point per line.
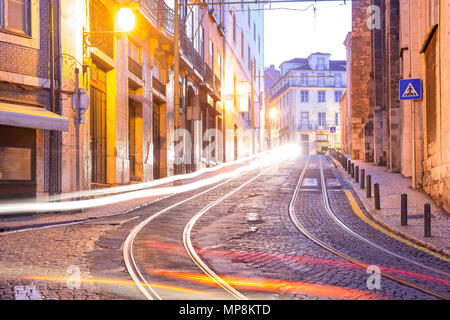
98	125
156	140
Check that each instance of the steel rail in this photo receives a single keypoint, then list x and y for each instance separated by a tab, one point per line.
129	259
191	250
367	241
314	239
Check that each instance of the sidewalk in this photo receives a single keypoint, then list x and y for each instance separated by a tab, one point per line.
392	185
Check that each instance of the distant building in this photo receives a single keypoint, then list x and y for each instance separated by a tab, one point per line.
307	97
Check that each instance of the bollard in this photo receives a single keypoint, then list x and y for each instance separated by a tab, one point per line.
357	174
376	194
427	220
404	209
345	163
352	174
369	186
349	166
363	178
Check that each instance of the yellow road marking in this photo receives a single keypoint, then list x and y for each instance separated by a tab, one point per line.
357	210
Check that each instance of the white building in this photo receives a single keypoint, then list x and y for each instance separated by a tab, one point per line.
307	97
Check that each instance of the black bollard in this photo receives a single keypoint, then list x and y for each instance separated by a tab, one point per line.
357	174
369	186
404	209
349	166
427	220
352	174
376	194
363	178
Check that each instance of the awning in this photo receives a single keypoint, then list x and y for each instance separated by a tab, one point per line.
31	117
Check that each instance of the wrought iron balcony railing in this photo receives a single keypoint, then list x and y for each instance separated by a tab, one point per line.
159	86
161	12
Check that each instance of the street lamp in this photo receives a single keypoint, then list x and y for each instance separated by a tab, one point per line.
126	20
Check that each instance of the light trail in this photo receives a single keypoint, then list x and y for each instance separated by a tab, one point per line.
34	207
292	258
272	285
118	282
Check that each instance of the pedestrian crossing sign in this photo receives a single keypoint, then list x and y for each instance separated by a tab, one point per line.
410	89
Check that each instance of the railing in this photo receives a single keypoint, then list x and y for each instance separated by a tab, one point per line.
209	76
217	86
159	86
191	53
299	84
135	68
161	12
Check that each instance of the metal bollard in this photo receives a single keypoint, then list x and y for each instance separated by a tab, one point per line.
357	174
363	178
427	220
404	210
349	166
369	186
376	194
352	174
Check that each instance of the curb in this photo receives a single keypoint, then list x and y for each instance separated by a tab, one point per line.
371	212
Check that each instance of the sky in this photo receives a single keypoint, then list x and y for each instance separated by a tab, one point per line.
295	34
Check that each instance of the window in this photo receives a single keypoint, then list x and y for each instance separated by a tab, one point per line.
219	65
254	31
322	119
337	80
320	64
322	137
336	118
321	96
15	16
304	94
211	54
304	121
201	42
304	79
320	79
248	10
337	96
234	28
242	44
134	52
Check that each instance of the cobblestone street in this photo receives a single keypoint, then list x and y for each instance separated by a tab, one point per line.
244	243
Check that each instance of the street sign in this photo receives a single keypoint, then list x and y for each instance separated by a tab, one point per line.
332	129
84	101
410	89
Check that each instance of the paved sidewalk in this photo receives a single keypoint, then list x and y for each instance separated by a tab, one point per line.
392	185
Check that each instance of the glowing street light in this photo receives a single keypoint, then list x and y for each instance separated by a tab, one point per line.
273	113
126	20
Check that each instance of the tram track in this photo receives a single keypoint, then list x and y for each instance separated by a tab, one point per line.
307	233
129	257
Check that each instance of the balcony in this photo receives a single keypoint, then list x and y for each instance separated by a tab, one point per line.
135	68
217	88
191	54
159	86
160	12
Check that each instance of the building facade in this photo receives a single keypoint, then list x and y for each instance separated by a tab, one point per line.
132	130
406	40
307	97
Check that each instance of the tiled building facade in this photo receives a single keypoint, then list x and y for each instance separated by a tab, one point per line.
129	133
